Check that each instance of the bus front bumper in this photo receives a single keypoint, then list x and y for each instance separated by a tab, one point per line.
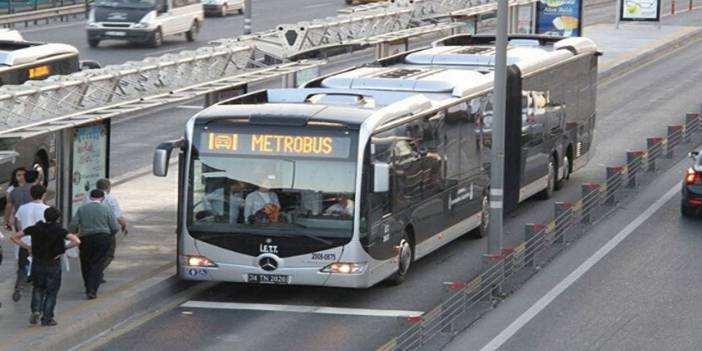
282	276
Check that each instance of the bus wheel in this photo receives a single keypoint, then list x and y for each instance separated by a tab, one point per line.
191	34
482	229
551	180
93	43
404	261
566	172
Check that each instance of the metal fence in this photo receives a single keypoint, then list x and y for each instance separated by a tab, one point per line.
465	302
32	11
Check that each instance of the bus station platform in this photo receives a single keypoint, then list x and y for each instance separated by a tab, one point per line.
141	278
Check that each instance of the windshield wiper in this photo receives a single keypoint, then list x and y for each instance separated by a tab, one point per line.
311	236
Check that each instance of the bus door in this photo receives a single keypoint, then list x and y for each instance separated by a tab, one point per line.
418	170
464	171
384	230
536	157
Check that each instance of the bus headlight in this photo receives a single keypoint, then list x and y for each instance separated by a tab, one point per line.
344	268
199	261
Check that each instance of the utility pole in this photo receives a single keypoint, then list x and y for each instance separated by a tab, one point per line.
247	17
498	132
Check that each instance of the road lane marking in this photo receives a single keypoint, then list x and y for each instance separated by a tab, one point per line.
542	303
300	309
317	5
191	107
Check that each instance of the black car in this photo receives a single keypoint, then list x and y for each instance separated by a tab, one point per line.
692	187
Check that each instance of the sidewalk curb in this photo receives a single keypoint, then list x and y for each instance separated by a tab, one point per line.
626	66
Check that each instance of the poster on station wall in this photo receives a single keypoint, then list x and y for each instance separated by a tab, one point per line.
640	10
559	17
90	152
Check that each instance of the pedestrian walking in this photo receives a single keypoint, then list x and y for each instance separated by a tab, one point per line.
95	224
26	216
17	179
111	202
47	247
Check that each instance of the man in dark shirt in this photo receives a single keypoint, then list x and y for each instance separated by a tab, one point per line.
48	244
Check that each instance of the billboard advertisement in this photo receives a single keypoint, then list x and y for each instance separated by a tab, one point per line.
559	17
90	152
640	10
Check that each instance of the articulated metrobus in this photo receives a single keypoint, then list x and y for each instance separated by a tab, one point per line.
349	180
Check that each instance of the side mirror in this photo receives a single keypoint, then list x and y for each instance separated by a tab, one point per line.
162	157
381	177
89	64
693	154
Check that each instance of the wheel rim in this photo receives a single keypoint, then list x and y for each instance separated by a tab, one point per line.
566	168
405	257
194	29
225	9
550	177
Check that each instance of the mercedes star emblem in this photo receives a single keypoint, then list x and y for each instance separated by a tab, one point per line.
268	264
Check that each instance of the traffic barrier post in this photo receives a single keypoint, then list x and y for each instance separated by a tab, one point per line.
692	125
654	147
534	239
590	199
633	166
493	272
563	219
453	305
675	134
613	182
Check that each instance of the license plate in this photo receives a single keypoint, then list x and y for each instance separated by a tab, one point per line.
268	279
116	34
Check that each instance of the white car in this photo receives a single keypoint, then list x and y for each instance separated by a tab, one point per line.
222	7
145	21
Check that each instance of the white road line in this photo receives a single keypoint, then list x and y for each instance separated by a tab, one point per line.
300	309
540	305
317	5
191	107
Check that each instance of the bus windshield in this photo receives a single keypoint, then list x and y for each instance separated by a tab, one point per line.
251	185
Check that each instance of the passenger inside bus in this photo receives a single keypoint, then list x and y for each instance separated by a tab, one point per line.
226	205
262	206
342	207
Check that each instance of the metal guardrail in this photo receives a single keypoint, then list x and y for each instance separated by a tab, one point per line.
465	302
45	14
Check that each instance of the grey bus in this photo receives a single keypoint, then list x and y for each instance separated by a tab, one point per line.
356	176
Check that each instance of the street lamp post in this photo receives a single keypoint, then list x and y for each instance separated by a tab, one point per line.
247	16
498	132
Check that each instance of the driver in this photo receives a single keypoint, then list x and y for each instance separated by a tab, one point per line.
261	206
343	206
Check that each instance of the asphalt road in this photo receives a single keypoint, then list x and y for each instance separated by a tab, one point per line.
644	295
629	109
